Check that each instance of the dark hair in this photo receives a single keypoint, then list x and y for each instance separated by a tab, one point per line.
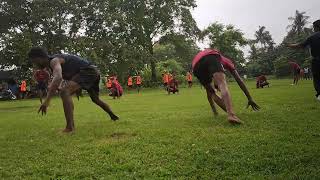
316	23
36	52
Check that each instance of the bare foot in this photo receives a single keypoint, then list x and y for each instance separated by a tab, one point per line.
233	119
68	130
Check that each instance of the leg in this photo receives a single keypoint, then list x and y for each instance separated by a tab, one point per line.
66	92
210	92
40	94
316	76
95	98
294	79
219	77
211	95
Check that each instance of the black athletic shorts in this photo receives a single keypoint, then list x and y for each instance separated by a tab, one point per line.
88	78
206	67
41	86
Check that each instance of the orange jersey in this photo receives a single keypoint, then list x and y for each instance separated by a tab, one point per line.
108	83
170	77
23	86
138	80
165	78
189	77
130	81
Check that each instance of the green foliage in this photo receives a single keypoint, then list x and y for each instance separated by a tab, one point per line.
116	35
228	40
266	59
170	66
262	53
282	67
184	48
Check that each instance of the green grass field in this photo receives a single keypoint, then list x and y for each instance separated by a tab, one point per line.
166	137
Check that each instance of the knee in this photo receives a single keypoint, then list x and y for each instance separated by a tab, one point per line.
95	100
224	89
65	93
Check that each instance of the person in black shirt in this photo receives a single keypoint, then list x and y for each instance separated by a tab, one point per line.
79	73
314	43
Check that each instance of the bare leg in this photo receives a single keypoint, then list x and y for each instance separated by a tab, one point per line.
40	93
210	100
219	101
68	107
294	80
219	78
95	98
215	97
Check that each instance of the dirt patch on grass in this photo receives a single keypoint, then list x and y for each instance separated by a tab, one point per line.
118	137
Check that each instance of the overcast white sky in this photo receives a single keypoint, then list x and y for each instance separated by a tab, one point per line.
248	15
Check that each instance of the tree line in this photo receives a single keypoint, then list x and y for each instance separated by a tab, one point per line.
126	37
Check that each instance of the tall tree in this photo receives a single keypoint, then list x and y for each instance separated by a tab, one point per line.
263	37
148	21
298	22
184	48
261	54
228	40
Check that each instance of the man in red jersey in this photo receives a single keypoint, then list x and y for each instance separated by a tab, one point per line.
209	66
296	72
262	81
173	85
42	78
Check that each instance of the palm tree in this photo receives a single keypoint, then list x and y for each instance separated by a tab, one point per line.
299	21
263	37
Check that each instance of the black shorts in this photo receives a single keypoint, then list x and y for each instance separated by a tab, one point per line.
206	67
41	86
189	82
88	78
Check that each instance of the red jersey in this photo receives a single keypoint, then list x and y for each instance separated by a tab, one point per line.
294	65
138	80
117	86
173	83
227	63
261	78
41	75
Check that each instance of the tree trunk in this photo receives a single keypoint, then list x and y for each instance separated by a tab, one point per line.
153	64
